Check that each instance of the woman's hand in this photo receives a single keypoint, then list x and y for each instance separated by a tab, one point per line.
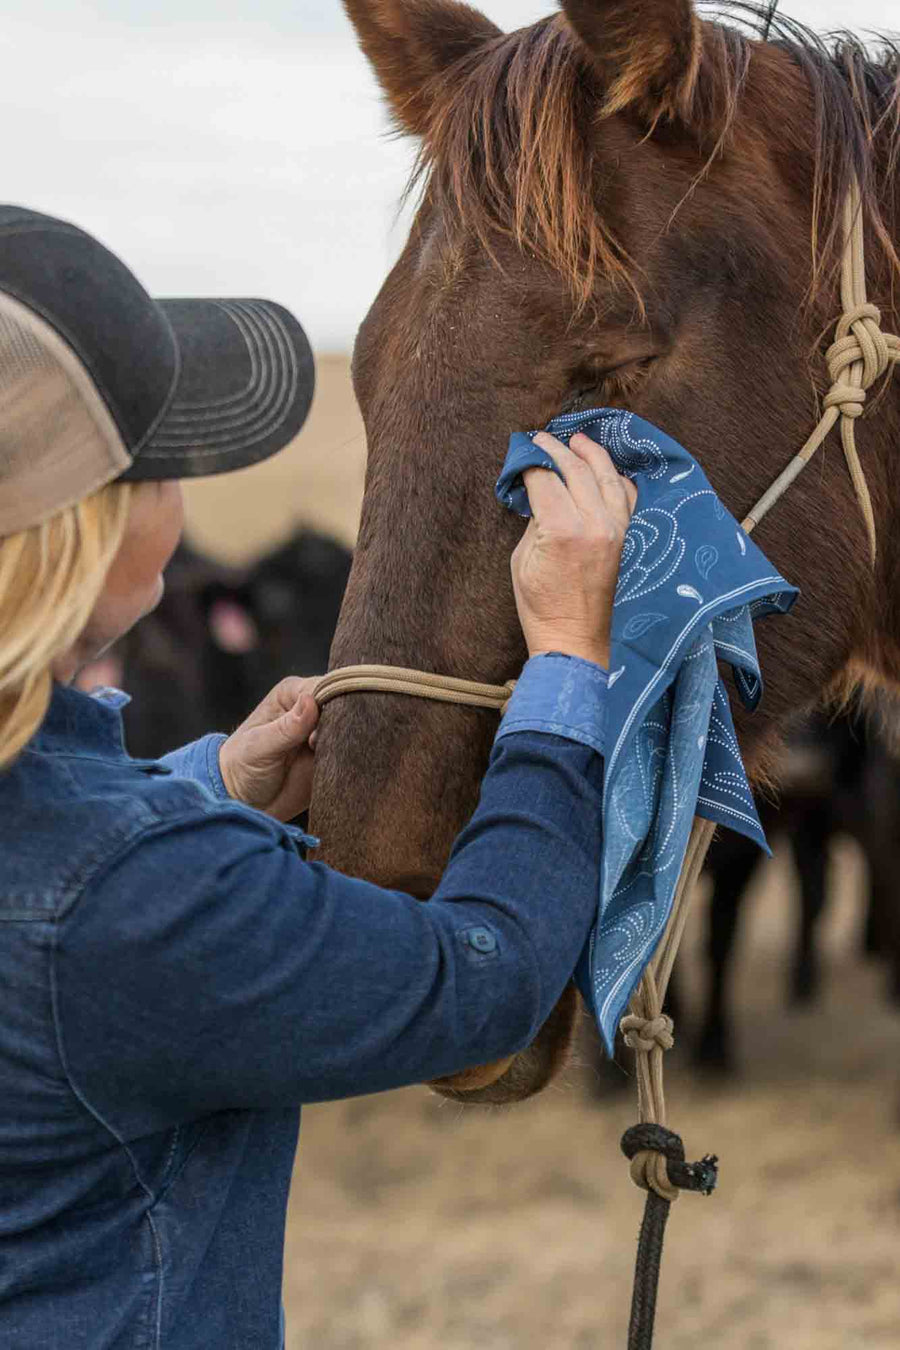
566	565
268	761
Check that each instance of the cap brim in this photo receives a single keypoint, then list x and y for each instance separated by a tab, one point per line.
244	388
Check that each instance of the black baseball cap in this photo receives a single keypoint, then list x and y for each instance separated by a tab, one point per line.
98	381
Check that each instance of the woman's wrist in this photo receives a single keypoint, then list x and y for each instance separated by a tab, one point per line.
596	652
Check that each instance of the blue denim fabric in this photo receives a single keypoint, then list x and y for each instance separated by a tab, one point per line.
177	981
691	582
561	695
200	762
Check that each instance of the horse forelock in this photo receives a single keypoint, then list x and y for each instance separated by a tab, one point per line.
511	147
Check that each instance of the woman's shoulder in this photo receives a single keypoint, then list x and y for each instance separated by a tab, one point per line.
65	819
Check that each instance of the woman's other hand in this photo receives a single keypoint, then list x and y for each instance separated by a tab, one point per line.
566	565
268	761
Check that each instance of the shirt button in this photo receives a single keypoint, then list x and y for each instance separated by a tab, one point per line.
482	939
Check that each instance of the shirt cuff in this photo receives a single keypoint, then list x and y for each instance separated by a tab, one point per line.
199	761
562	695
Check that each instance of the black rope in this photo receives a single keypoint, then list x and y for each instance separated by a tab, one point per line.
699	1176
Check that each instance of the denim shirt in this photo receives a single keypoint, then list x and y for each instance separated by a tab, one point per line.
177	980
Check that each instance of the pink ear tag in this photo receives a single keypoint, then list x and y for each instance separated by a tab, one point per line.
233	629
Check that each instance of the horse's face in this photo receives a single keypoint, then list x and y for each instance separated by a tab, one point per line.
560	259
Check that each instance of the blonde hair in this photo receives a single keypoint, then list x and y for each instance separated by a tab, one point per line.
51	577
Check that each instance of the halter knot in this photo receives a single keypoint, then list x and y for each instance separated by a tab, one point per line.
643	1034
657	1163
860	341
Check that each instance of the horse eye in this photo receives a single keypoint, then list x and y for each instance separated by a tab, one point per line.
582	397
633	364
590	387
629	374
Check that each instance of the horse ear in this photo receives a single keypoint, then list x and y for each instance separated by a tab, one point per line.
409	42
648	52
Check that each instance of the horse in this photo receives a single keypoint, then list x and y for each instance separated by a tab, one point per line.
622	204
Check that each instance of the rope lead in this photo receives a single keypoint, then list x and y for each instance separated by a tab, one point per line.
664	1145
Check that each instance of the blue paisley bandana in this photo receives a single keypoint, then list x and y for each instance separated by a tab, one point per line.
691	582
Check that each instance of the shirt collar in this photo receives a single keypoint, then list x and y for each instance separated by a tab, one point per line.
86	723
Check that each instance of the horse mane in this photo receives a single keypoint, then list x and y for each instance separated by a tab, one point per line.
509	147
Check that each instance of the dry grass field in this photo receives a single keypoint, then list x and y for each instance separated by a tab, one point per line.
416	1225
318	480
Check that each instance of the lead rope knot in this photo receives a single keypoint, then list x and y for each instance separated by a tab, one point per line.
646	1033
860	339
649	1038
655	1141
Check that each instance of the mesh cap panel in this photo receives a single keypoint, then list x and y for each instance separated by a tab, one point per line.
58	442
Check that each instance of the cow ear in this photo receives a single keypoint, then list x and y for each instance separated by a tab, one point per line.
647	52
411	42
230	621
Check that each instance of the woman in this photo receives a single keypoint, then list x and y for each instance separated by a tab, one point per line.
177	979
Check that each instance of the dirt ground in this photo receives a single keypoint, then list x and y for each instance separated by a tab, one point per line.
416	1224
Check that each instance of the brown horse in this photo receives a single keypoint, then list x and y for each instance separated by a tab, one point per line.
619	205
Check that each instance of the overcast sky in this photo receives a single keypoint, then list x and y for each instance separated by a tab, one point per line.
227	147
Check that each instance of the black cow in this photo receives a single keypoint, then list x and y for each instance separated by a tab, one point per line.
222	637
277	619
849	785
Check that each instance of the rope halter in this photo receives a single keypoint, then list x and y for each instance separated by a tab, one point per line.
416	683
861	355
859	339
646	1033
